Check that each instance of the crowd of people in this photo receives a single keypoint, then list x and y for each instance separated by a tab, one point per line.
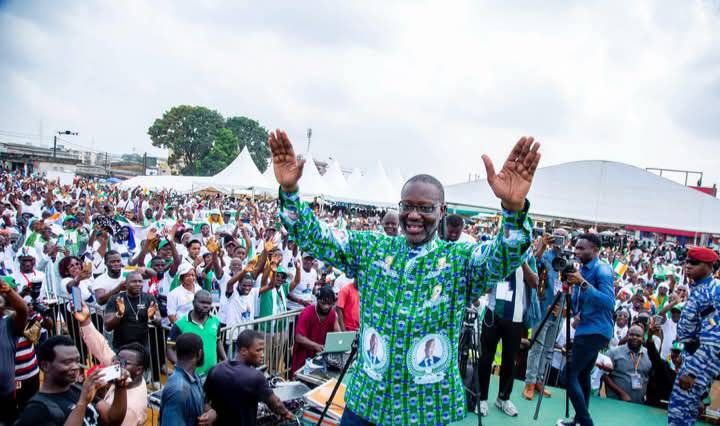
177	285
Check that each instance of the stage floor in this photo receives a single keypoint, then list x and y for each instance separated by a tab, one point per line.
603	411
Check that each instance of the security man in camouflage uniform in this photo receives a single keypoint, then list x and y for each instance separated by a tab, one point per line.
699	330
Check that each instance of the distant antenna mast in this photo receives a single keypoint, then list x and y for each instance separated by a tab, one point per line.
309	136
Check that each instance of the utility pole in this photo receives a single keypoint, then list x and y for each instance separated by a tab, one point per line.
309	136
145	164
106	164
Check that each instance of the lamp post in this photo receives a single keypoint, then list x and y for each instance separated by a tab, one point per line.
65	132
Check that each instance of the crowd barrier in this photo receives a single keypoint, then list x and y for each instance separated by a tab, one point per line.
278	330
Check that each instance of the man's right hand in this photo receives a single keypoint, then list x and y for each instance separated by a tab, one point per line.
120	304
90	387
625	397
83	316
288	169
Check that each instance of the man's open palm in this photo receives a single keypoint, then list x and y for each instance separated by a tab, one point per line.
288	169
512	184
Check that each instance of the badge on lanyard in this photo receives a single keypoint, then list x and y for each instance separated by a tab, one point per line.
636	380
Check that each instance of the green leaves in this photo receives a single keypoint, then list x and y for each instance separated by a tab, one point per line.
252	135
202	142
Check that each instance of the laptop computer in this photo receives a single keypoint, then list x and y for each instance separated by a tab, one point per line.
339	342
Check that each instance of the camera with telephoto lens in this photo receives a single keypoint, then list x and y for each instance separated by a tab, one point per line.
36	305
563	263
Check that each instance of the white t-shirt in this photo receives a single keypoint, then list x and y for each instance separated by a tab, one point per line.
125	205
304	289
238	309
180	301
84	286
106	282
618	334
669	329
23	280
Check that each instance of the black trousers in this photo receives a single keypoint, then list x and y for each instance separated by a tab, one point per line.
493	330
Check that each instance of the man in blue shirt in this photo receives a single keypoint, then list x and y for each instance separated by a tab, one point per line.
593	301
183	399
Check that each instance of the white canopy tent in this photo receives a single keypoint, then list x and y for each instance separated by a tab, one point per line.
397	180
374	188
605	192
312	183
337	186
242	173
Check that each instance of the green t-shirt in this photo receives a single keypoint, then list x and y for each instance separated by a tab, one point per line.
208	332
412	304
274	302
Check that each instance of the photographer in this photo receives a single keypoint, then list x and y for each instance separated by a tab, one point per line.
28	278
593	300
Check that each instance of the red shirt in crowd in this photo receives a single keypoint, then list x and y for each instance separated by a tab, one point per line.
309	325
349	302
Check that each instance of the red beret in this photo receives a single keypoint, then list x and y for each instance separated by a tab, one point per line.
703	254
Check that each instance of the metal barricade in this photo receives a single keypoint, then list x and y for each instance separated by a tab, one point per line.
65	323
279	332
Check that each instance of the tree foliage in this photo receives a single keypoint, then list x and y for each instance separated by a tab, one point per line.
188	132
202	142
222	153
252	135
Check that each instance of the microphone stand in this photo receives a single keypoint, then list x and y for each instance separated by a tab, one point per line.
353	353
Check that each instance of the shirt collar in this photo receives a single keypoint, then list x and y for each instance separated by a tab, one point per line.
190	378
706	280
590	264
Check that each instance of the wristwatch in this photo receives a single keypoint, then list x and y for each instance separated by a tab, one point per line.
117	314
584	285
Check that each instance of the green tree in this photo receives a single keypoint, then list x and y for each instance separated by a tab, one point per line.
222	153
251	134
188	132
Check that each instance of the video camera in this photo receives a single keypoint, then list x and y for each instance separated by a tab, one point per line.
563	263
36	305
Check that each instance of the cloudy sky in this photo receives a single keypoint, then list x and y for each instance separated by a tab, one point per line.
422	85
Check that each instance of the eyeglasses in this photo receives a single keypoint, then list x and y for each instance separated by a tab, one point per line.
420	208
693	262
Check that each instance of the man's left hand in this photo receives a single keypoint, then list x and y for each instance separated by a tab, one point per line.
574	278
512	184
686	381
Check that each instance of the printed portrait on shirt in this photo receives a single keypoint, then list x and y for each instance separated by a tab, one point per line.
428	358
374	353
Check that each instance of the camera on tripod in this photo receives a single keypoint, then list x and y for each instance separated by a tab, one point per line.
563	263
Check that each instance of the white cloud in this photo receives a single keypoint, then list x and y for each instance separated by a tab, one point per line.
426	86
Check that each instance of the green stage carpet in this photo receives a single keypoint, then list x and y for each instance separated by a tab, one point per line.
603	411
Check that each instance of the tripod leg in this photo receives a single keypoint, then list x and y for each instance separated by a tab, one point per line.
478	354
353	352
568	348
549	352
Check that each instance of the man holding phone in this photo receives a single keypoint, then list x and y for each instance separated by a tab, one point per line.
61	401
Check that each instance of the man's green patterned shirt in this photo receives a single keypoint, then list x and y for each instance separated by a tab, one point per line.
412	303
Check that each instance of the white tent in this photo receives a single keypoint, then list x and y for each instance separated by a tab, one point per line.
311	183
606	192
355	177
397	180
375	188
337	186
242	173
